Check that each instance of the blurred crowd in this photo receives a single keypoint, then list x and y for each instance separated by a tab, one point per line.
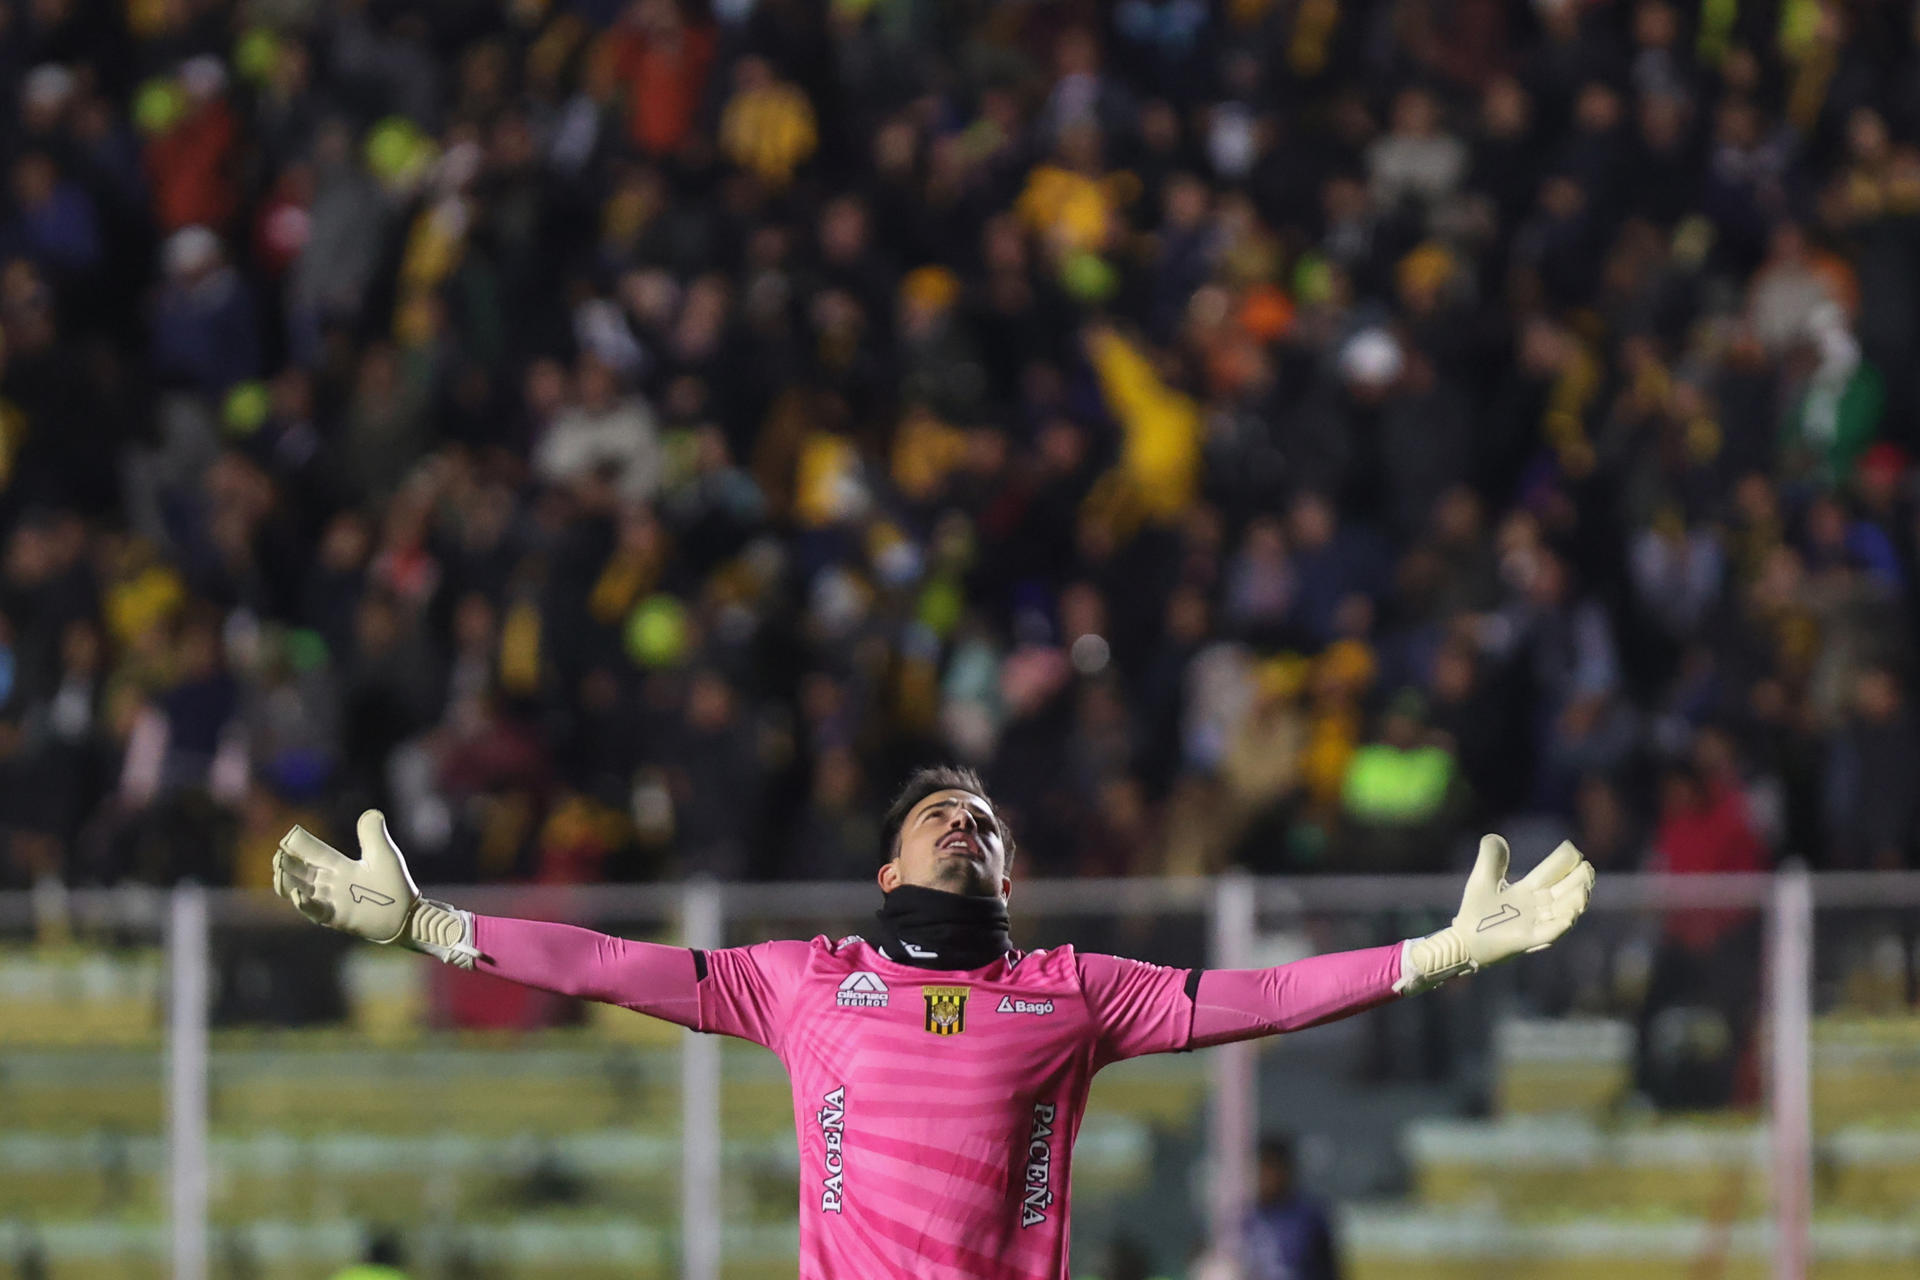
620	439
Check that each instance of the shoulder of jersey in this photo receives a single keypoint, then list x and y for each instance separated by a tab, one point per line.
1046	964
853	948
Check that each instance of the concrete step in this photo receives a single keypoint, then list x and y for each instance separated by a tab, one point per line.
489	1088
559	1082
1394	1243
1379	1243
1546	1166
1863	1067
534	1247
456	1176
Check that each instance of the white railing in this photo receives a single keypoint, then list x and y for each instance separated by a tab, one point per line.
1231	907
1790	959
187	992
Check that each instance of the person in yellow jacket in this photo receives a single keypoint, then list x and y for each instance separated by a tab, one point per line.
1161	426
768	125
1070	201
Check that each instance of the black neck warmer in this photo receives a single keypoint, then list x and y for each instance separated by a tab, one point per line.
934	929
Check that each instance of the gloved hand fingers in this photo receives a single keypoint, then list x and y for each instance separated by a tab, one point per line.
1567	902
1548	929
1490	868
317	910
1553	868
377	848
290	874
285	861
1576	886
306	885
303	846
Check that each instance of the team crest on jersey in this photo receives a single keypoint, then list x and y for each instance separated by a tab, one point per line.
946	1009
862	990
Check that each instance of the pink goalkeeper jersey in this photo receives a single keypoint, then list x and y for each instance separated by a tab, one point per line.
936	1111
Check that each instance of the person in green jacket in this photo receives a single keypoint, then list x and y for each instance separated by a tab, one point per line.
384	1260
1401	792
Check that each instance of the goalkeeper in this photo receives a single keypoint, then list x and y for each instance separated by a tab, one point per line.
939	1075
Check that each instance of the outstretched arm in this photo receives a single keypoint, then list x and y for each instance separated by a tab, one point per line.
645	976
374	897
1496	921
1142	1008
1145	1008
733	991
1239	1004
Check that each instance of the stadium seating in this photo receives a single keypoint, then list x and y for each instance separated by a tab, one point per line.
577	1129
1592	1190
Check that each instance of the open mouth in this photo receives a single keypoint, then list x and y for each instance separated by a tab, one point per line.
960	843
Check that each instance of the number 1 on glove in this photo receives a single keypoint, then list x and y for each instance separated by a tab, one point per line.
1497	920
371	897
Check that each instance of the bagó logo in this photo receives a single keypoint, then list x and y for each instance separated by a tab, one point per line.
946	1009
1010	1005
862	990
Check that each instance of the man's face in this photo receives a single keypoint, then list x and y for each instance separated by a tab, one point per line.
950	841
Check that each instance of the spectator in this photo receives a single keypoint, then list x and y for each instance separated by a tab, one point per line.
56	223
606	436
346	230
663	62
1696	1023
384	1259
204	335
1288	1235
768	125
594	427
1873	812
1399	790
191	155
714	768
1416	160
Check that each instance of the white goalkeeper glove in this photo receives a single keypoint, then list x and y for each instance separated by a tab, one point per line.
372	898
1497	920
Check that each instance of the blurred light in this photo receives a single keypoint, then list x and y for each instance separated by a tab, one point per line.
158	106
1090	654
657	631
255	53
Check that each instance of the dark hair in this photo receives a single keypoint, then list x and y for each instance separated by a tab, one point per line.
925	782
384	1248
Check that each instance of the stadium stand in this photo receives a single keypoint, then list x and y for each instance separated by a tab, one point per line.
620	439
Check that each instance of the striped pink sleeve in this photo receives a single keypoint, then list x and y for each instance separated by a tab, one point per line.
744	991
737	991
645	976
1136	1007
1240	1004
